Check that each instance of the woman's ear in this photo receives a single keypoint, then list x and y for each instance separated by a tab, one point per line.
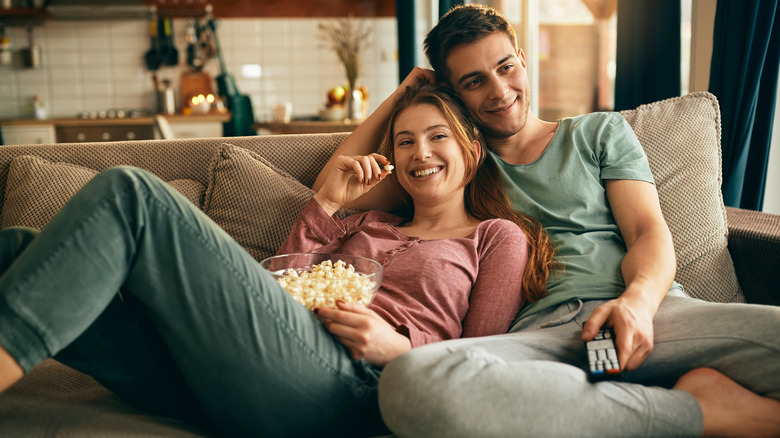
477	148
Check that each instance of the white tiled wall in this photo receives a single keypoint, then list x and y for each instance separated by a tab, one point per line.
98	65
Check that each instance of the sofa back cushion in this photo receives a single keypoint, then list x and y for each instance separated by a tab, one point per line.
681	137
253	200
37	188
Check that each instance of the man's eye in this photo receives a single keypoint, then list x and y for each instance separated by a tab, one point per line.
473	83
508	67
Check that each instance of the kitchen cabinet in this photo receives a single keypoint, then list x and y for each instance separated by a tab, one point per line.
28	134
22	16
197	126
277	8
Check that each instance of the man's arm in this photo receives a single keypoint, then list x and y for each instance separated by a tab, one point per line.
648	270
366	139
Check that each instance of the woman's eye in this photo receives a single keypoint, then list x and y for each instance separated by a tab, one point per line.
404	143
439	136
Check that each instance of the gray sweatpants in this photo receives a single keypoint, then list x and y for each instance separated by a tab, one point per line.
531	382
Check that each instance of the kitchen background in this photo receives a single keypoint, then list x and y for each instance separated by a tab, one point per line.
95	65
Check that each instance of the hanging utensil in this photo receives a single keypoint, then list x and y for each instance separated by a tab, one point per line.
172	54
153	57
31	56
191	37
240	105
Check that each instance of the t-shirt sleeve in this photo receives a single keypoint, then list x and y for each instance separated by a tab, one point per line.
497	294
312	230
620	153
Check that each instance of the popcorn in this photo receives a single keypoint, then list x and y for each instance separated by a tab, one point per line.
327	283
389	167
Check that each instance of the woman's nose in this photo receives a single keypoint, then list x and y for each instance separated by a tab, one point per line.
422	150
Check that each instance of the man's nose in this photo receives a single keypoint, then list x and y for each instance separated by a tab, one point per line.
497	89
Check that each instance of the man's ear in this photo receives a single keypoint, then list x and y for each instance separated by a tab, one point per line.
521	55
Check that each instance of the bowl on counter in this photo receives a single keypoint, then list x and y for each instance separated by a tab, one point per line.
331	114
319	280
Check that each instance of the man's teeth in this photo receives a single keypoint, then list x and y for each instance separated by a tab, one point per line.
426	172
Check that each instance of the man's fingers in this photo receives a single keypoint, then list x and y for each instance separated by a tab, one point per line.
594	323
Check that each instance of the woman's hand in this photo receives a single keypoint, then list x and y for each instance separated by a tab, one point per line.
364	333
350	178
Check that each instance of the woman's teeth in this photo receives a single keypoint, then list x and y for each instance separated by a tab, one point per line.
426	172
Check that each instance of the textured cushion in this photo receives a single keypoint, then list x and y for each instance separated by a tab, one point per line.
681	137
54	400
253	200
37	188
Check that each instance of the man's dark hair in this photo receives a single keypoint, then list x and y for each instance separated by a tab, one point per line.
463	24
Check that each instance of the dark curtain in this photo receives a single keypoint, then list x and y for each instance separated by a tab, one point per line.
446	5
407	43
648	52
743	76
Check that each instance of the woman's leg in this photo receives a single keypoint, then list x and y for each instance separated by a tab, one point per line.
12	243
256	361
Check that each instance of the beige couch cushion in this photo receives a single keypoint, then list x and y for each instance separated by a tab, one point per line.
681	137
37	188
253	200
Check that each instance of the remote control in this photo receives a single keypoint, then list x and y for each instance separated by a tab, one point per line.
602	356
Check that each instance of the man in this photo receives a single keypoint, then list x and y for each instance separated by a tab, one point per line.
587	180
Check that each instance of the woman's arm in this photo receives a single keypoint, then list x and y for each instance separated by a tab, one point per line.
365	140
497	294
364	333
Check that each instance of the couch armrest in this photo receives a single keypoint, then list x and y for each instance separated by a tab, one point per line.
754	244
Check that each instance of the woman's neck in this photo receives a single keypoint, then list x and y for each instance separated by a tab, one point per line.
439	222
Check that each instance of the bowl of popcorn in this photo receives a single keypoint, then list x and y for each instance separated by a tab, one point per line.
319	280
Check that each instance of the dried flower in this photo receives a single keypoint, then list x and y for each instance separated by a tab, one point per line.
347	38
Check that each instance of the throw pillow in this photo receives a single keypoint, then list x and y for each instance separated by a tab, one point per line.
252	200
681	137
37	188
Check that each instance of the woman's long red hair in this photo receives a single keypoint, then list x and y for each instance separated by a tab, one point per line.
484	196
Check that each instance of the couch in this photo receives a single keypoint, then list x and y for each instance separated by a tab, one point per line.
254	187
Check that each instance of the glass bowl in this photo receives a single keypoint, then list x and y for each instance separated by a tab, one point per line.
319	280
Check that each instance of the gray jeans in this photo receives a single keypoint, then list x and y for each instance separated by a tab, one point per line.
531	382
200	330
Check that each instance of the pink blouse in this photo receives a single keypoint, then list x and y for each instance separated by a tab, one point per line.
432	290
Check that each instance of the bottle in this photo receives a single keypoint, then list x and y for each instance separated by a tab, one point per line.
40	112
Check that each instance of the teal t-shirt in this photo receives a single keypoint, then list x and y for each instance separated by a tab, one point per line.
564	189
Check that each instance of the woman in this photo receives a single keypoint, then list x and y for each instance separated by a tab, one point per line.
200	332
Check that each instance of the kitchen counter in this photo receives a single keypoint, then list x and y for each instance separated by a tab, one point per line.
127	121
77	129
306	126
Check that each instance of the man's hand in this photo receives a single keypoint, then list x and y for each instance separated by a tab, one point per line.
364	333
349	178
632	322
417	75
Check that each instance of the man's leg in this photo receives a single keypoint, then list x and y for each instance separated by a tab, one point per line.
256	361
532	382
